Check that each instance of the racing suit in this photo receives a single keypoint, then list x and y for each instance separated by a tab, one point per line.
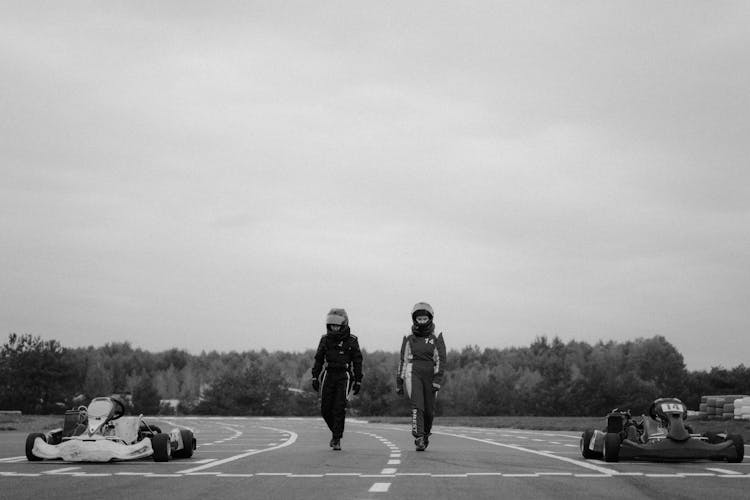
338	366
420	372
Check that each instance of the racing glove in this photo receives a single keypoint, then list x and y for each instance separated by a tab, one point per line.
316	384
400	386
357	386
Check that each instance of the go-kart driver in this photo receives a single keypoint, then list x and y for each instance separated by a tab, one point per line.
420	371
337	372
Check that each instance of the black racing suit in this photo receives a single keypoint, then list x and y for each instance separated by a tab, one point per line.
338	365
420	370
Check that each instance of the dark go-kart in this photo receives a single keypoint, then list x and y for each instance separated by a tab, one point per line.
662	435
100	432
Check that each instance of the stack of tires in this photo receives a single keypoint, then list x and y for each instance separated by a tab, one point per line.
720	407
742	408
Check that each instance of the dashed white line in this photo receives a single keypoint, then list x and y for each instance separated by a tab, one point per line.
723	471
66	470
379	487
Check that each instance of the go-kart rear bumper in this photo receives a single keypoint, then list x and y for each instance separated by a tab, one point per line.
668	449
99	450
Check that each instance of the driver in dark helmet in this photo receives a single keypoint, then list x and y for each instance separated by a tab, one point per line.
337	372
420	371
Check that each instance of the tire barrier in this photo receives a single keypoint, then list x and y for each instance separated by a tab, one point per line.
742	408
724	407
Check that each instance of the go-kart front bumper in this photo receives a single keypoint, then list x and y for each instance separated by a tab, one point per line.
94	450
668	449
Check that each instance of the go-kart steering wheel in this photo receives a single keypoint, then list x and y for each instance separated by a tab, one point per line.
118	409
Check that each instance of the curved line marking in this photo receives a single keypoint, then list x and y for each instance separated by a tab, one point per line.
291	440
603	470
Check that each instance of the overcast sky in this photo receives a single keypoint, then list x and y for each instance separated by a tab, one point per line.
217	175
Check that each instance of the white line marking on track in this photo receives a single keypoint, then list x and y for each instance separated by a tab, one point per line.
291	440
13	459
586	465
723	471
394	462
66	470
388	471
379	487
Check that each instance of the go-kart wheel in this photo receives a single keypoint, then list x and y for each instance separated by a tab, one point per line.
612	447
739	446
586	437
188	443
162	448
30	446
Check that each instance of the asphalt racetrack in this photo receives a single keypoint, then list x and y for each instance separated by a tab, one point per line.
289	458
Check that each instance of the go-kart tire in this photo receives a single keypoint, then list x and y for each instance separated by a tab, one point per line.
162	447
586	437
188	442
739	445
30	446
612	443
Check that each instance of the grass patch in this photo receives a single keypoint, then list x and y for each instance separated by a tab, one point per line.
29	423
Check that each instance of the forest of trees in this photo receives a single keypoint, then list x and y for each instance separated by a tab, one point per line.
547	378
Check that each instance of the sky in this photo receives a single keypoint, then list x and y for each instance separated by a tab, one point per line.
217	175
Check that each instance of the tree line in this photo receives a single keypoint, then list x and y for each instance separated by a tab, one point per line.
547	378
